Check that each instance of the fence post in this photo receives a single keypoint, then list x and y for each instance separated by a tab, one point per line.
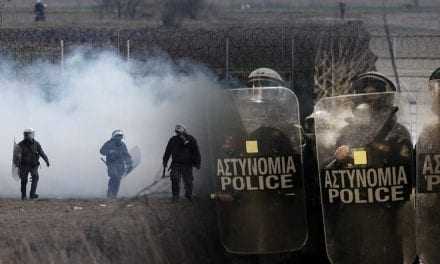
119	44
128	49
227	59
283	40
332	64
292	61
62	54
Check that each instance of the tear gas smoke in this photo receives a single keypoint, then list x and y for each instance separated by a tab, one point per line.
333	114
425	114
75	110
330	124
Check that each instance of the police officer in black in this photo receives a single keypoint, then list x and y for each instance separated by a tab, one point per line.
185	154
392	141
374	228
430	132
428	198
118	161
342	9
27	161
39	10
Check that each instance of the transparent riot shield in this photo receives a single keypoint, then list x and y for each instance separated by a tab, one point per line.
255	142
428	176
364	151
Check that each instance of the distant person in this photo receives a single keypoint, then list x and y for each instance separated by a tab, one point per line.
27	161
342	9
40	11
185	154
118	161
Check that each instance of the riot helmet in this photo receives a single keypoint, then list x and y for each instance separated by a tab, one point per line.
118	134
29	134
264	77
180	129
373	83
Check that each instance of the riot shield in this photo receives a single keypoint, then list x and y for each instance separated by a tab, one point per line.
255	142
428	177
364	151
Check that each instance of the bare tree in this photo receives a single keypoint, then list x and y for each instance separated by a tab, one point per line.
121	8
337	64
173	11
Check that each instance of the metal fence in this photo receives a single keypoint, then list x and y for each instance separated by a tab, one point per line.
226	68
416	56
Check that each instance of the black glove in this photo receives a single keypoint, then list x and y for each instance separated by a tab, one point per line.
47	163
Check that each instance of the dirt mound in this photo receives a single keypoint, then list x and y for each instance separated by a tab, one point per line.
101	231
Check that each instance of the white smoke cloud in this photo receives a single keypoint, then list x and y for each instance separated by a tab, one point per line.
75	110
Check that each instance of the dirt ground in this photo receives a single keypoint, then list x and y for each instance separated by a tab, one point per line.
137	230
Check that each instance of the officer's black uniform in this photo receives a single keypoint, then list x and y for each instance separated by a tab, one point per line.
342	8
393	149
31	152
185	154
371	228
428	195
39	12
118	162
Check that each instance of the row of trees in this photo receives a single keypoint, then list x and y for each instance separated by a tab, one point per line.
171	11
122	8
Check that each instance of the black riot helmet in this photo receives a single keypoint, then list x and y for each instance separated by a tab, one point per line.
371	83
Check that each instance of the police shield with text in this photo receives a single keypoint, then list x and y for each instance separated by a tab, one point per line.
365	159
428	173
257	164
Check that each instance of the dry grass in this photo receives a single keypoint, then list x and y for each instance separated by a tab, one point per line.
87	13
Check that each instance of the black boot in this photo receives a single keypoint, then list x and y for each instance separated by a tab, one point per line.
33	196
